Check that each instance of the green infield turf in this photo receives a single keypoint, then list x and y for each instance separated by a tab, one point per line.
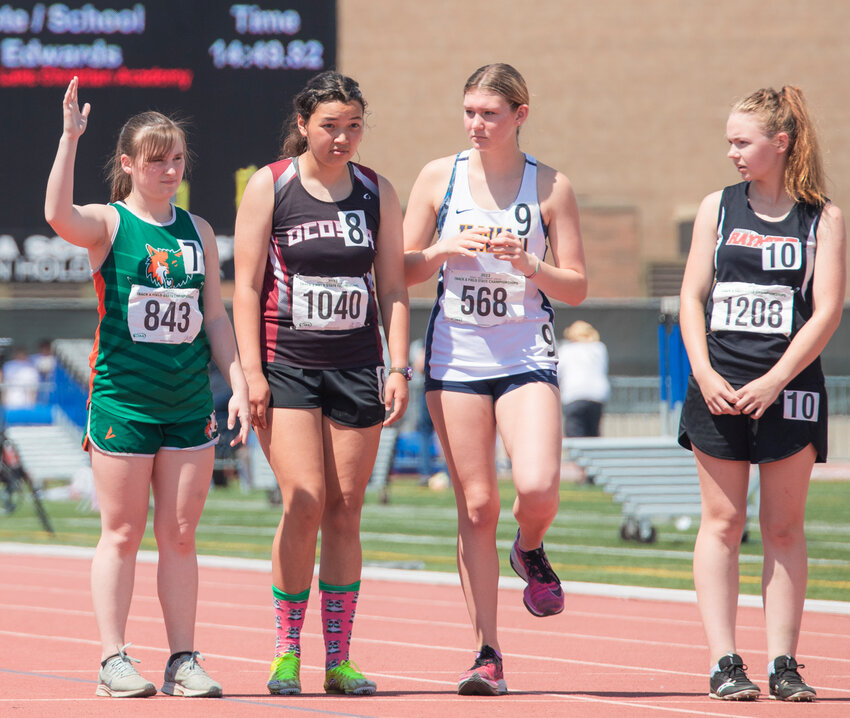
416	529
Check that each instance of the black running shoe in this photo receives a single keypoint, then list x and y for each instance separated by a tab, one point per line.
786	684
730	683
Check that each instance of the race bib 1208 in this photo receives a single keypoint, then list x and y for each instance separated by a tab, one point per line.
760	308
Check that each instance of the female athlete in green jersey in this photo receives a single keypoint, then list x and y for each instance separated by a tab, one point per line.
150	417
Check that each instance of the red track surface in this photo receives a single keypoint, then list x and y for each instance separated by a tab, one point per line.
602	657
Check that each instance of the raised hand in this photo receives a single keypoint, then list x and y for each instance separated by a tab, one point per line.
73	121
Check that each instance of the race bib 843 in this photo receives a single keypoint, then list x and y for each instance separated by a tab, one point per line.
164	315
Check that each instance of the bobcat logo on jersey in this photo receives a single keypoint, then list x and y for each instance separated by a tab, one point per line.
211	429
165	267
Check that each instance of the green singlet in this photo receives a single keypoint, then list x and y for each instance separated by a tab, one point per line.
150	355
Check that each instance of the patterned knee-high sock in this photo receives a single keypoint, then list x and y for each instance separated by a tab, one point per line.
289	610
338	606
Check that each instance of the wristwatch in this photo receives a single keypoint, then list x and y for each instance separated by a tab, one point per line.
405	371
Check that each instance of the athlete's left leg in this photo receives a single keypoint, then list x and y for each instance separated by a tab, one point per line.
181	481
349	457
529	422
784	486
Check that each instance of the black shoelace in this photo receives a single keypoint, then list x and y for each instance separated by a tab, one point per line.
538	566
737	672
486	656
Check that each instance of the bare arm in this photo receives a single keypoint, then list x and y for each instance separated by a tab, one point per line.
566	281
392	299
253	230
89	226
809	342
696	285
220	335
422	256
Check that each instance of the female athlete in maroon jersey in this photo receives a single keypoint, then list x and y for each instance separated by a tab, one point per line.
318	250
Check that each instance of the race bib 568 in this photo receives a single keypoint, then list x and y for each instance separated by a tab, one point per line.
483	298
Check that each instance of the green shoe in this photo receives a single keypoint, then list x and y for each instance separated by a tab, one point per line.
346	678
284	680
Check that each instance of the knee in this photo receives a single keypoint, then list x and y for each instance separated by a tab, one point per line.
304	508
539	503
342	515
781	532
726	526
178	536
123	540
482	514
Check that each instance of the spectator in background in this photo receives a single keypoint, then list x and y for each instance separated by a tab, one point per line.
45	363
424	425
232	461
20	381
583	379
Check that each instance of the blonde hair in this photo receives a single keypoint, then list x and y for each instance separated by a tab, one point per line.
581	331
146	135
786	111
500	79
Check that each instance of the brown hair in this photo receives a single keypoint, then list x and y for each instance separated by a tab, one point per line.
500	79
146	135
785	111
327	86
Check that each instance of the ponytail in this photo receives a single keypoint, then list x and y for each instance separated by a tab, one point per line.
786	111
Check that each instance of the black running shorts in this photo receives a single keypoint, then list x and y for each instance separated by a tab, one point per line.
796	419
351	397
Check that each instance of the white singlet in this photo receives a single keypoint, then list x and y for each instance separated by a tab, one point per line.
488	320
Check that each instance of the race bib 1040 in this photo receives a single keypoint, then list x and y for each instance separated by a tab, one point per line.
329	303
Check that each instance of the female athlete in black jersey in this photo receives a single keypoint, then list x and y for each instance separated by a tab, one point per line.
318	251
761	296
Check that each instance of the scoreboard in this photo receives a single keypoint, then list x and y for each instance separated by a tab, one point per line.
228	69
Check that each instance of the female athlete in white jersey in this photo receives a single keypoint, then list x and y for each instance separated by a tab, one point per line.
761	296
490	348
